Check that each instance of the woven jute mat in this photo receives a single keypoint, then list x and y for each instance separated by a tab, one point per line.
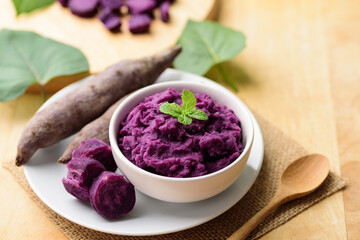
279	151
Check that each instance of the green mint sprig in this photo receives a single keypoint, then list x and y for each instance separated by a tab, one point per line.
187	112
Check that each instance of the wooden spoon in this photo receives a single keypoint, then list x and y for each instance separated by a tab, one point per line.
300	178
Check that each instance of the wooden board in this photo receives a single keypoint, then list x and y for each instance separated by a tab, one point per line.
102	47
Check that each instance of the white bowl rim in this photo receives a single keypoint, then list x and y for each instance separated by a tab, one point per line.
132	96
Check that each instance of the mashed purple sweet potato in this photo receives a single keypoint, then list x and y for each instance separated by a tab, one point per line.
158	143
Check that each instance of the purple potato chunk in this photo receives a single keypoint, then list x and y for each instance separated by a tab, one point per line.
111	195
164	11
98	150
139	23
110	19
81	173
83	8
140	6
158	2
112	4
63	3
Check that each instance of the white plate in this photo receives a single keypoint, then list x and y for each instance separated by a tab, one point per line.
149	216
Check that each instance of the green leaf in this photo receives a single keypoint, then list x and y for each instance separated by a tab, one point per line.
188	101
206	44
172	109
27	58
27	6
184	119
185	113
197	114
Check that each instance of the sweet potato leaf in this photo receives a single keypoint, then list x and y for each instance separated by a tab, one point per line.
27	58
207	44
27	6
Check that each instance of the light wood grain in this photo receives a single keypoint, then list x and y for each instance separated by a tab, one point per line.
350	172
299	70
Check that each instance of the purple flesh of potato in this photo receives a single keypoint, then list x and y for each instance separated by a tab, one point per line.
139	23
63	3
83	8
81	173
158	2
110	19
164	11
98	150
112	4
140	6
111	195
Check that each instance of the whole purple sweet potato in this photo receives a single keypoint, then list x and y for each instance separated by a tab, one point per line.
98	150
140	6
83	8
111	195
110	19
73	111
139	23
81	173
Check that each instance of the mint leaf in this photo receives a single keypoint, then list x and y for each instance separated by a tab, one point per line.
27	6
185	113
197	114
207	44
188	101
184	119
172	109
27	58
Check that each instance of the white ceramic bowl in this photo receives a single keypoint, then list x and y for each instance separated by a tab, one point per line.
182	189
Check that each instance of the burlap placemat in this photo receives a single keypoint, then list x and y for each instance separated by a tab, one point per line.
279	150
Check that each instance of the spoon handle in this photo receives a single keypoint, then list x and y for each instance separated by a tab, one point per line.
247	227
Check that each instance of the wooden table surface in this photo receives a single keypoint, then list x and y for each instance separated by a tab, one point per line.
300	70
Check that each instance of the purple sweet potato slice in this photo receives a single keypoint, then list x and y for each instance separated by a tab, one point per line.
139	23
81	173
83	8
63	3
164	11
110	19
98	150
111	195
112	4
140	6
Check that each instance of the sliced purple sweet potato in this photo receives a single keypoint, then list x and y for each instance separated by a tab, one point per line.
111	195
81	173
98	150
83	8
112	4
63	3
139	23
110	19
164	11
140	6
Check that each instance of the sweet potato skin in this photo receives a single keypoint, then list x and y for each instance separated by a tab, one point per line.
69	114
99	129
